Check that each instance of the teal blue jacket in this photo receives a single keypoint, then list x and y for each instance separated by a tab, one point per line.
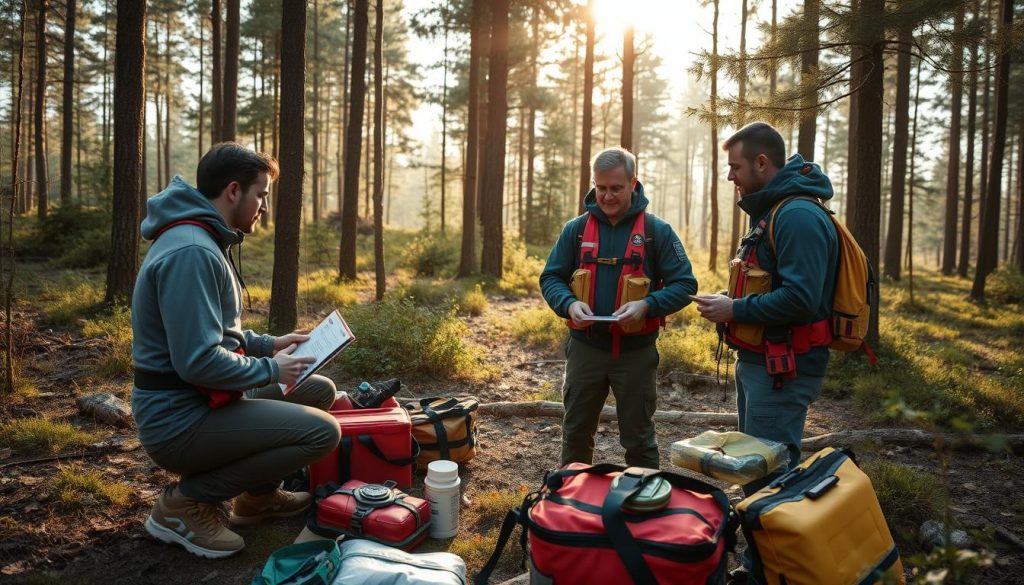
673	267
187	315
804	264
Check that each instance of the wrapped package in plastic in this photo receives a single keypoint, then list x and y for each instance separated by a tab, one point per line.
733	456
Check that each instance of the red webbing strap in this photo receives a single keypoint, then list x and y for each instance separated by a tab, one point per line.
590	244
214	398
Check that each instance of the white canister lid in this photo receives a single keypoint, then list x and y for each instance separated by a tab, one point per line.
443	471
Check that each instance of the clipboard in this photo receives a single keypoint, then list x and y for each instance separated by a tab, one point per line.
326	341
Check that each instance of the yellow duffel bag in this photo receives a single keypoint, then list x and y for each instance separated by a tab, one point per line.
445	428
820	523
733	456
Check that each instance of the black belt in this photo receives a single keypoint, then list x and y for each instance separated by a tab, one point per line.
148	380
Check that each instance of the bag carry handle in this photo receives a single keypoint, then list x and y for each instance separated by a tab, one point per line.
345	455
630	482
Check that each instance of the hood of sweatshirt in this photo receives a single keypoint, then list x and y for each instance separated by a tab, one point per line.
798	177
180	201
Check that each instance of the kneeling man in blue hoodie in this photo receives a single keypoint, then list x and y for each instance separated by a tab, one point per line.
206	398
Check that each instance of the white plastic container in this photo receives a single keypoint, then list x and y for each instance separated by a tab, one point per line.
442	489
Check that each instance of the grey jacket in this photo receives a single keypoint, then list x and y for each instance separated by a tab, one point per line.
186	315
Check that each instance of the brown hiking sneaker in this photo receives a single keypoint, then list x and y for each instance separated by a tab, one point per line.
250	509
193	524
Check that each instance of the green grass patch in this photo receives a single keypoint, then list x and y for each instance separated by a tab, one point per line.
548	391
75	488
541	328
520	271
66	301
116	329
688	347
31	436
23	385
907	495
321	289
473	302
395	337
488	510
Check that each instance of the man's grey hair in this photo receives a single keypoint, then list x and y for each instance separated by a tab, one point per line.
612	158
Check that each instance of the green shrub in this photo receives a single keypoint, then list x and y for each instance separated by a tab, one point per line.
395	337
430	255
907	495
323	290
74	236
116	329
520	271
540	328
690	348
1006	285
74	487
425	293
67	302
473	302
40	435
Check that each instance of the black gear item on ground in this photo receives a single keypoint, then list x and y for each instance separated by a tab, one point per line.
373	394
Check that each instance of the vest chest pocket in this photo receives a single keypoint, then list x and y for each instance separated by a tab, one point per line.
634	288
754	282
579	284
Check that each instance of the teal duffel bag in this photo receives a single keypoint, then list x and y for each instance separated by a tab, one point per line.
308	563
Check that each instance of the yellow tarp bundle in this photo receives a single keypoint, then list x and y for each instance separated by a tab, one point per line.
733	456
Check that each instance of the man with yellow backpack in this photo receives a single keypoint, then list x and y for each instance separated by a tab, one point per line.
619	263
799	284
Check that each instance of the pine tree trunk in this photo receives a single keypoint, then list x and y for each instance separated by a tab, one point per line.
315	121
734	232
531	132
864	222
1018	238
284	287
985	123
953	169
467	256
989	230
378	151
201	97
68	85
910	190
216	75
129	80
343	116
231	56
809	80
967	218
588	108
858	70
168	96
491	197
894	240
628	62
42	190
354	143
713	255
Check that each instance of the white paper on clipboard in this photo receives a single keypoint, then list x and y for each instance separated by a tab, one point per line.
325	341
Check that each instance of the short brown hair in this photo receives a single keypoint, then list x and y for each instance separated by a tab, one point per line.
229	161
760	138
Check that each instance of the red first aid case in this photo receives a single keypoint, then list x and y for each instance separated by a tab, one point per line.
376	446
376	512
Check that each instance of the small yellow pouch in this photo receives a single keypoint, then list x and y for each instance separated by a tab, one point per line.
755	282
579	284
634	288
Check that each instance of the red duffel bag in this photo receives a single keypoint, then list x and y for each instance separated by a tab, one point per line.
377	512
607	524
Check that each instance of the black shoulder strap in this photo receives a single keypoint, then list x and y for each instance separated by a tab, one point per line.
580	226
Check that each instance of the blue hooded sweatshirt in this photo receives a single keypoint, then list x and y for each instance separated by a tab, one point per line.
673	267
186	316
804	264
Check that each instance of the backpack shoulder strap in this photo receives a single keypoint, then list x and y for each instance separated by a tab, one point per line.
581	224
778	208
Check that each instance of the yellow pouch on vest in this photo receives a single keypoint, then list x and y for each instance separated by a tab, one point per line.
579	284
755	282
634	288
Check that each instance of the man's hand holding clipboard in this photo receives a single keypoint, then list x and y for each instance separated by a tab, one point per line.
308	352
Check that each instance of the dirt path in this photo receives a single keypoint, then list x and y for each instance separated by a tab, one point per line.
109	545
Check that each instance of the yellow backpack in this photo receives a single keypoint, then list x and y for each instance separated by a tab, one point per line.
855	284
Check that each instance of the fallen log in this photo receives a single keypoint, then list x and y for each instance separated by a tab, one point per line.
547	408
916	438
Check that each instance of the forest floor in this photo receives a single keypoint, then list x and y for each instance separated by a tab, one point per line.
47	536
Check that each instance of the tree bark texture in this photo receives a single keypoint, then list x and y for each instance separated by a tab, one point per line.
284	287
354	142
989	230
129	95
491	197
864	221
713	254
42	190
628	62
67	112
588	108
229	124
216	74
956	89
809	80
1019	236
378	150
894	239
967	218
478	29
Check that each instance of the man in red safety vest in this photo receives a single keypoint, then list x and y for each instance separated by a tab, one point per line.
615	272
